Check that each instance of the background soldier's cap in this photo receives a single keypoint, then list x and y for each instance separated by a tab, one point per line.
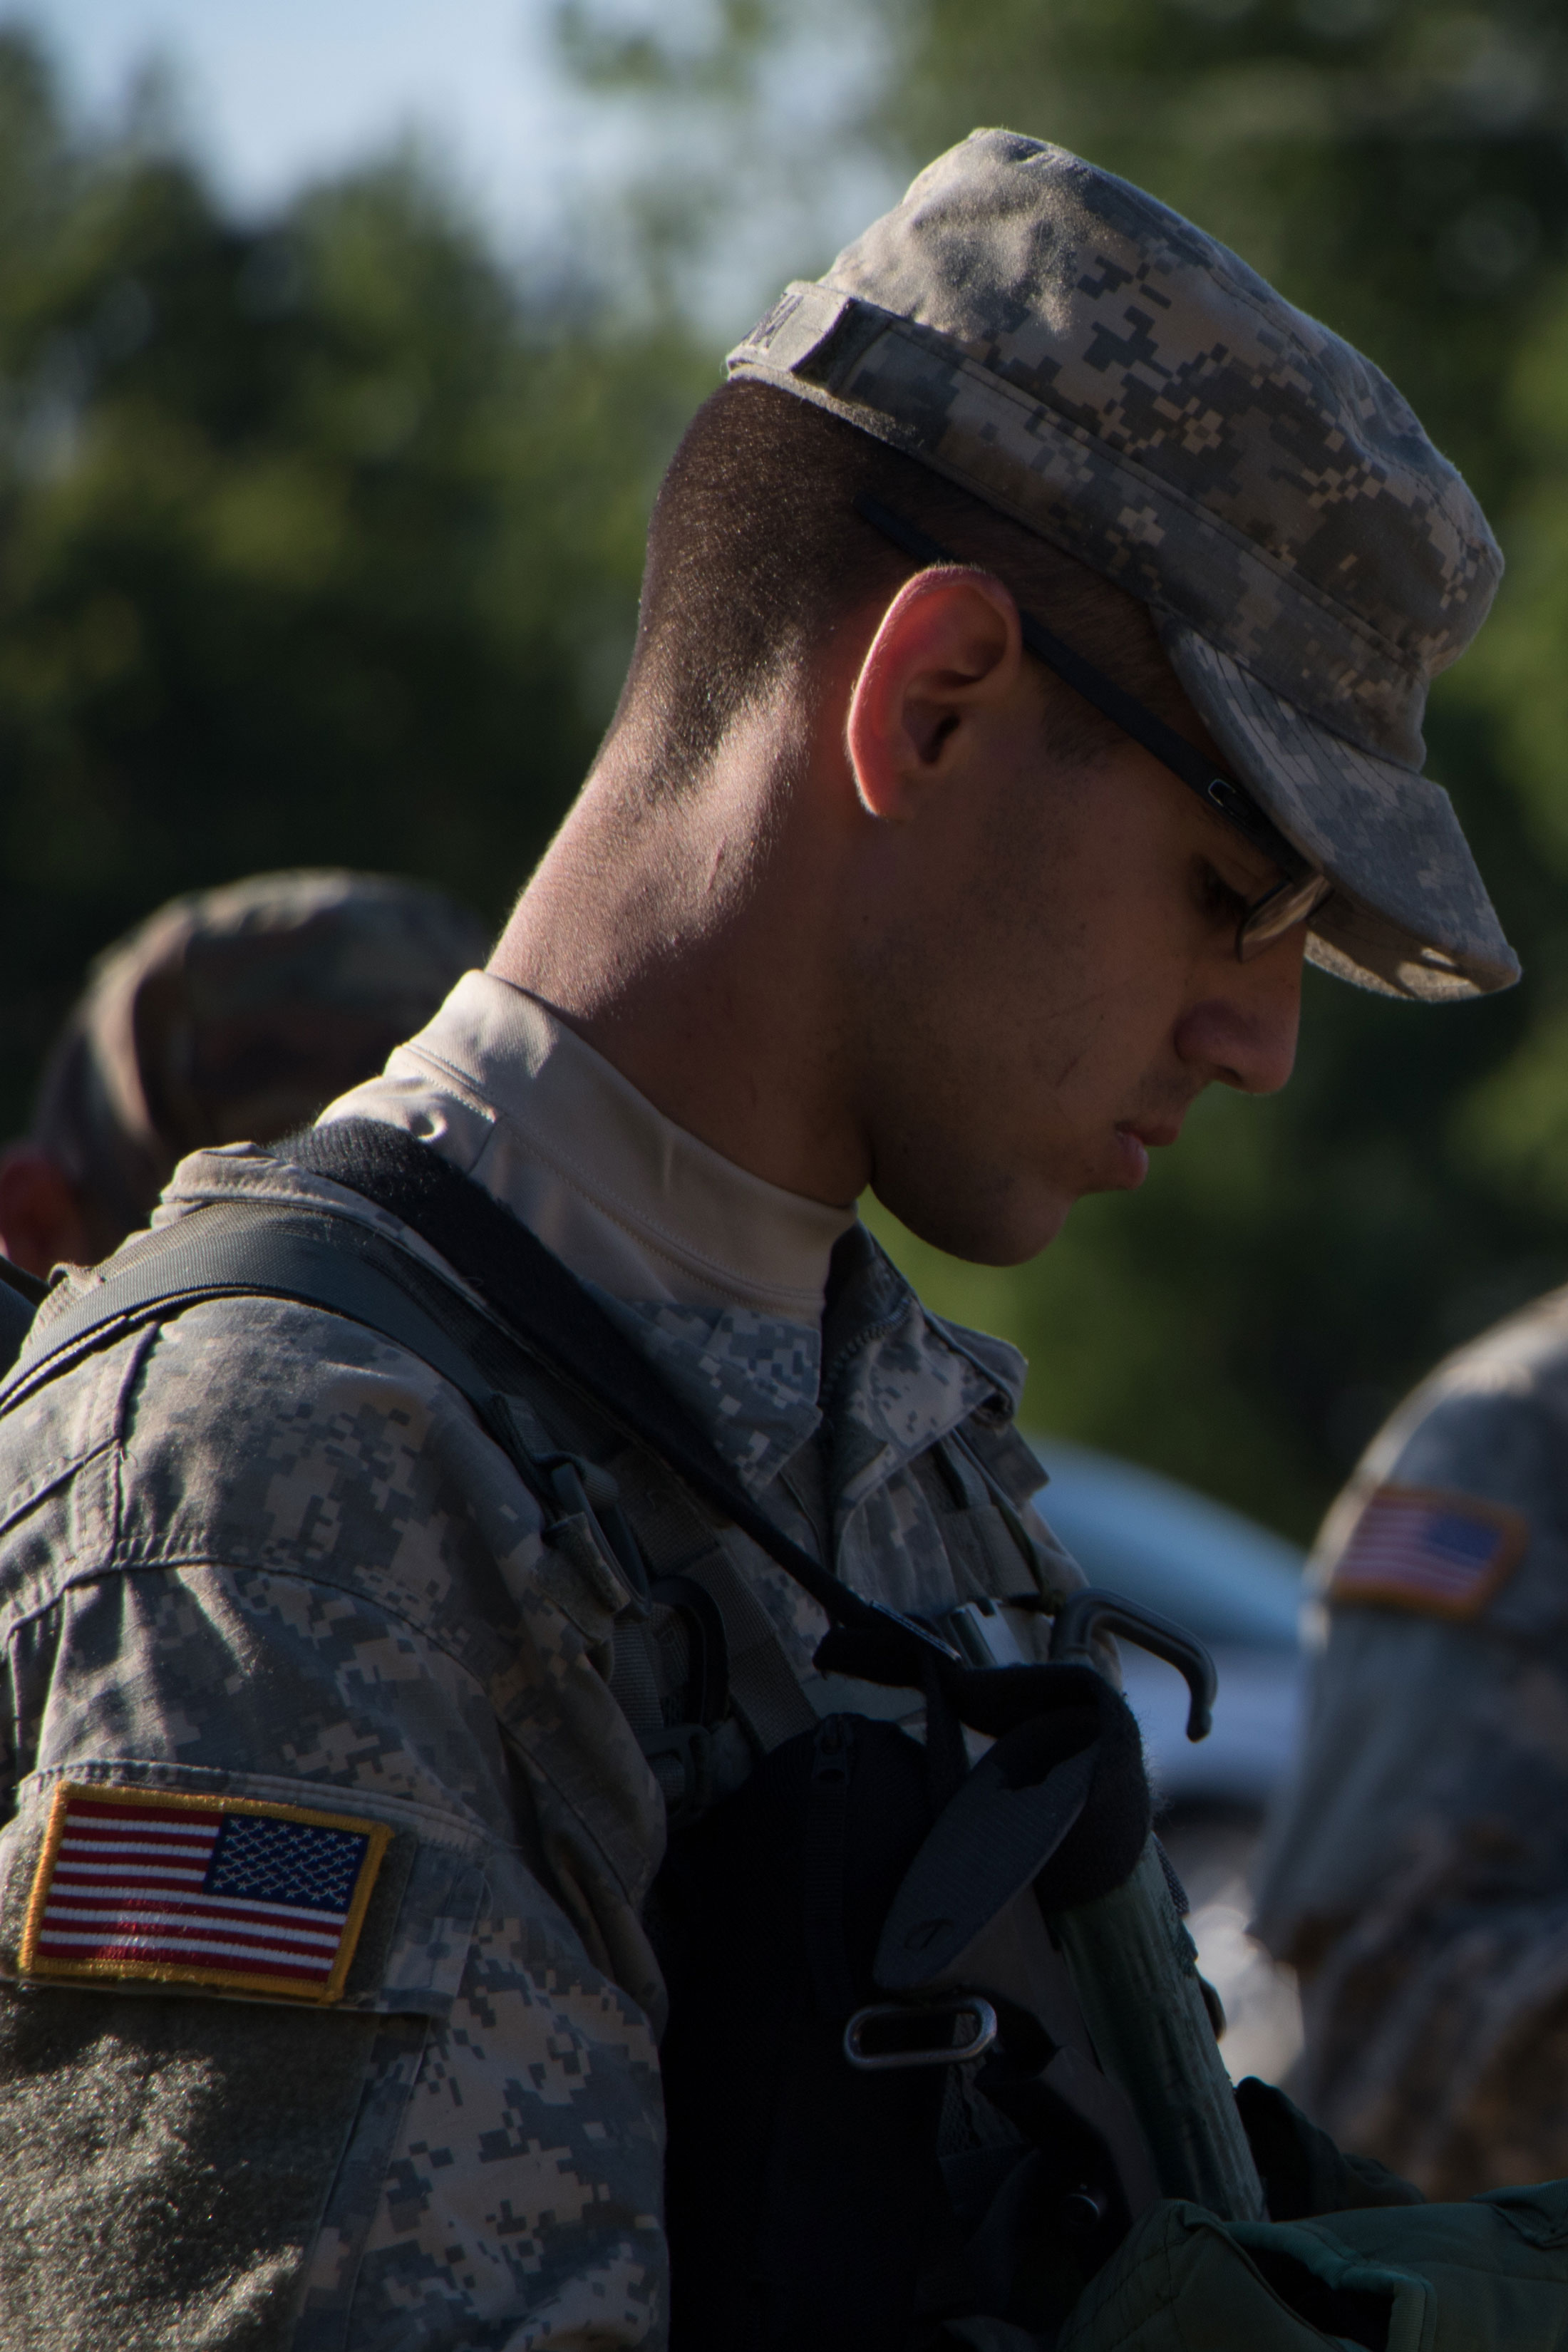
234	1014
1088	363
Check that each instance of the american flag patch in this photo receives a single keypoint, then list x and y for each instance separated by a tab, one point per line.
1418	1547
196	1890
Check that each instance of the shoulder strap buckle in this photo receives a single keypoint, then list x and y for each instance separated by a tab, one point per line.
685	1749
581	1488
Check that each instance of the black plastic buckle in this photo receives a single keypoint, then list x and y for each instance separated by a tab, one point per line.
707	1695
692	1746
1084	1614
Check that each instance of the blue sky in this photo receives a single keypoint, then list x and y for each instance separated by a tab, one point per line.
276	91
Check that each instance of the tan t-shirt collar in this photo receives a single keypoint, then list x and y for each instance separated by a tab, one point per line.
627	1200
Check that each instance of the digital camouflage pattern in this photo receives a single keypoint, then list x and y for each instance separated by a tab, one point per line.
233	1014
1096	367
1416	1874
256	1550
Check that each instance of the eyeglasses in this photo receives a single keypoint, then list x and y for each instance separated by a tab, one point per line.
1292	900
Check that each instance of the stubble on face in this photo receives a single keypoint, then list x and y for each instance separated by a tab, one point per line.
1025	1001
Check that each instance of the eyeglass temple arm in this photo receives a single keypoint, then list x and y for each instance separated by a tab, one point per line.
1226	798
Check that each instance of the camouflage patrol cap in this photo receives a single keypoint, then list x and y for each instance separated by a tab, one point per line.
234	1014
1086	361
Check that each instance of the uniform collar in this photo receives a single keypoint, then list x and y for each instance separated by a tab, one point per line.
500	1085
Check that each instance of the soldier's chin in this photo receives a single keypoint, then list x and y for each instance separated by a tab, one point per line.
985	1223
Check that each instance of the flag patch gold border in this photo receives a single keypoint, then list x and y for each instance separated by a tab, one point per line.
1366	1574
32	1963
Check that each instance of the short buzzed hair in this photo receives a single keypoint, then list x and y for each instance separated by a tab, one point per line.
755	554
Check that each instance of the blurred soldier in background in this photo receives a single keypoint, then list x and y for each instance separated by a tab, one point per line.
230	1015
1416	1873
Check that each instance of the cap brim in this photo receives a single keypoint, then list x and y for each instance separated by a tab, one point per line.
1410	915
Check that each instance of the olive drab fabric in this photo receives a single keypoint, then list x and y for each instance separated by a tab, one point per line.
1417	1872
1093	364
1487	2276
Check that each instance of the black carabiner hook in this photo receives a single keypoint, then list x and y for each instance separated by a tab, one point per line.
1084	1614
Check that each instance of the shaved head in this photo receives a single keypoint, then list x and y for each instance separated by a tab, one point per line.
756	556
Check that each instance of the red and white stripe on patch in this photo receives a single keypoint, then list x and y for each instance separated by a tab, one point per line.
1421	1548
191	1890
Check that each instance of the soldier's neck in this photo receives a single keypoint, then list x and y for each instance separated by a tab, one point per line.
692	941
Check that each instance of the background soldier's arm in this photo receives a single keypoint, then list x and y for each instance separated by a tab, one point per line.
1417	1875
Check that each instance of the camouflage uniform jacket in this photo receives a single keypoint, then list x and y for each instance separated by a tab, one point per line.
254	1553
1418	1872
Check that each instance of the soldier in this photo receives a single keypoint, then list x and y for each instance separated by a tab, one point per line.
231	1015
364	1664
1416	1873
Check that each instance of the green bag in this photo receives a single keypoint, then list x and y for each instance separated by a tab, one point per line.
1487	2276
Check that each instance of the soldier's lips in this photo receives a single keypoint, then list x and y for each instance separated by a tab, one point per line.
1134	1144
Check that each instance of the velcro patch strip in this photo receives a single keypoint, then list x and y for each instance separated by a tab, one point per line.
1424	1548
224	1891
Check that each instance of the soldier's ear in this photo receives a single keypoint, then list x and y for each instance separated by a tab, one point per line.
947	651
41	1220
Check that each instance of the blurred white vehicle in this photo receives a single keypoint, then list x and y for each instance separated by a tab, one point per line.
1218	1575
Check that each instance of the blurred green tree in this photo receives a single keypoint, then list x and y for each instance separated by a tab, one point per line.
1399	168
320	539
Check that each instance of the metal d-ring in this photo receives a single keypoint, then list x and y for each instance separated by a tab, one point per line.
963	2004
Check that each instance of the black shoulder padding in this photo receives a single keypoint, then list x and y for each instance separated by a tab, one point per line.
21	1296
800	2192
24	1286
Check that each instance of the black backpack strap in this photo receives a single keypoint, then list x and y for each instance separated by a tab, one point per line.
21	1296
